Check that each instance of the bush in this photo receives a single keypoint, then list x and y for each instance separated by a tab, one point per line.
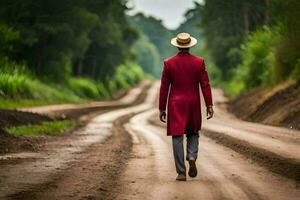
287	59
125	76
15	85
233	88
147	55
258	59
103	92
84	87
296	72
19	86
213	71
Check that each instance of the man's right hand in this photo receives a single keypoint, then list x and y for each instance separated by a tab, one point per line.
162	116
209	112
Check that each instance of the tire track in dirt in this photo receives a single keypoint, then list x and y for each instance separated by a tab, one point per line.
92	173
223	173
156	179
82	113
270	151
135	162
284	166
243	186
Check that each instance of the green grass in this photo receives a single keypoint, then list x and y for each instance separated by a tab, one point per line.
45	128
84	88
13	103
232	88
18	89
22	86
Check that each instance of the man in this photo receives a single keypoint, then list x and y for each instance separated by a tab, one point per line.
180	81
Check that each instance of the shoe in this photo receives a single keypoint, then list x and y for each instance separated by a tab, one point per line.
193	169
181	177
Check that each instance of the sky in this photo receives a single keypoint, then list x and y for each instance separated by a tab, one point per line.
170	11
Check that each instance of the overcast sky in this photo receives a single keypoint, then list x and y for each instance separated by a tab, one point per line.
170	11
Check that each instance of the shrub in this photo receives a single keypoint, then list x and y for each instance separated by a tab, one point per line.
23	86
125	76
18	85
258	59
103	91
15	85
84	87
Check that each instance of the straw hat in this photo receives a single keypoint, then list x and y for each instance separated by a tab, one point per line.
183	40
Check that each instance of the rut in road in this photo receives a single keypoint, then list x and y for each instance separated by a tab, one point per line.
38	176
223	173
134	161
92	175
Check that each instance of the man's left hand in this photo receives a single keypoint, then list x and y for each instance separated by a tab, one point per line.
162	116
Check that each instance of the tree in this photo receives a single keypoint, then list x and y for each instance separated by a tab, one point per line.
60	38
226	24
153	28
147	55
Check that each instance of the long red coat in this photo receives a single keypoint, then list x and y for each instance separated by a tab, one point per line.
182	74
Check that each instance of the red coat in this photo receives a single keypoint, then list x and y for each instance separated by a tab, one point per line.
183	73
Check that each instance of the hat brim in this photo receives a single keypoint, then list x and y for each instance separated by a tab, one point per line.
188	45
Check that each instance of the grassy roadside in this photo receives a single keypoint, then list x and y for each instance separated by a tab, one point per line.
13	103
24	90
45	128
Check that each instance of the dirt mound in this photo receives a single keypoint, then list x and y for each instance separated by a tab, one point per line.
278	164
16	118
12	144
279	105
9	143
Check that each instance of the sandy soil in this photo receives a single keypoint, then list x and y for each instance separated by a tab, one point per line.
223	173
82	113
32	175
275	148
125	154
277	105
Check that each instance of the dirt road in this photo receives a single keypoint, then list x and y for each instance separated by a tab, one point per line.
125	154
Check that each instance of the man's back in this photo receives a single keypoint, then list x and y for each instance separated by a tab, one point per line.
182	73
184	70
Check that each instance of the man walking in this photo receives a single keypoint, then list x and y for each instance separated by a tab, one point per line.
182	74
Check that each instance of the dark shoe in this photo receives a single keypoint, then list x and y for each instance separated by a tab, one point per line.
181	177
193	168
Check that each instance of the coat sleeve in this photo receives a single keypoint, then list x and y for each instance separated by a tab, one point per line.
164	88
205	86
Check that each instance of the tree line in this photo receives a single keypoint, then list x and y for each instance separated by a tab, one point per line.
246	44
57	39
253	42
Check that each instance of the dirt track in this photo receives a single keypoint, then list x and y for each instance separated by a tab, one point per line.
120	154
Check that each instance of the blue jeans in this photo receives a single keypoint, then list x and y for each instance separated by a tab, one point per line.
178	150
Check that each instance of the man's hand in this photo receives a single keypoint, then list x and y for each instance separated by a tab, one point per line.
209	112
162	116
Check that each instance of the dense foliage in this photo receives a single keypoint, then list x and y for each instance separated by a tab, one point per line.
53	41
88	45
253	43
155	31
154	45
147	55
58	38
25	90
